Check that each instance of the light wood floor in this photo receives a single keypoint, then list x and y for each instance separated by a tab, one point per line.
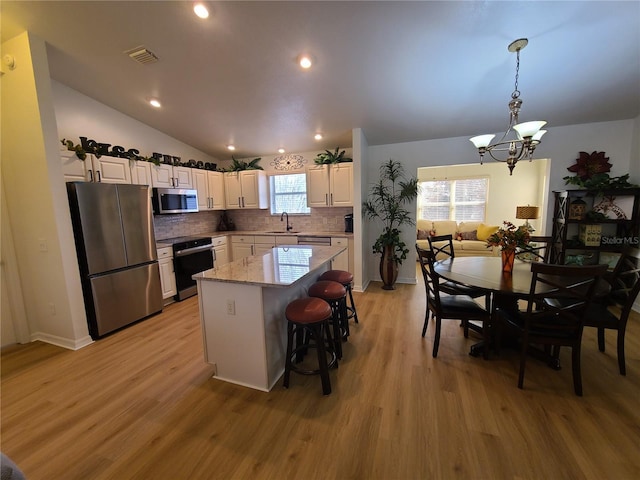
141	404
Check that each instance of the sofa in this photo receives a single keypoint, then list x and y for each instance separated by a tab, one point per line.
469	238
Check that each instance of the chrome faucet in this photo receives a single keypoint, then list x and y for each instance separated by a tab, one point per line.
289	227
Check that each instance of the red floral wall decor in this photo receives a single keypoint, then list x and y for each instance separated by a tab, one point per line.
588	165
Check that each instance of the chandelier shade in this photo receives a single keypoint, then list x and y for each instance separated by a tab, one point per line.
520	139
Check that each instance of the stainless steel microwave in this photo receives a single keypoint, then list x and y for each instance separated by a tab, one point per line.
174	200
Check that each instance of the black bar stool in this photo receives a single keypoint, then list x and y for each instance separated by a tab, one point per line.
346	279
308	321
336	295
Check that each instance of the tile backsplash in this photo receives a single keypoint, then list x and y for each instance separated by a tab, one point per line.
320	220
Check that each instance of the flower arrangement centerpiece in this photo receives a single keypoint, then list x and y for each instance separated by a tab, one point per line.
509	238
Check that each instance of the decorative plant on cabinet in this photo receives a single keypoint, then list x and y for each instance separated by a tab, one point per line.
387	203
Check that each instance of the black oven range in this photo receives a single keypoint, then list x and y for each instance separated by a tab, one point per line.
191	255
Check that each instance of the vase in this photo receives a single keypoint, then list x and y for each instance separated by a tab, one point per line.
508	258
388	268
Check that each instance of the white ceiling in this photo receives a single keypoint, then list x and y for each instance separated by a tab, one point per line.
402	71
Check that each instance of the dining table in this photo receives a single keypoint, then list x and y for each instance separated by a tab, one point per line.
506	288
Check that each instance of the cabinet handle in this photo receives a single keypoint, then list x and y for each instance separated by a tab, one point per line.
326	199
332	199
98	177
239	203
90	175
242	202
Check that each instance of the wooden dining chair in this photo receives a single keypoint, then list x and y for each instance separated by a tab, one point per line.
453	307
625	285
538	249
550	323
441	246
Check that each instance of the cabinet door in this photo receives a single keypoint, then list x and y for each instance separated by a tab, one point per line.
167	278
241	250
253	187
318	186
112	169
141	173
162	176
182	176
341	185
341	262
215	183
232	190
74	169
202	187
222	255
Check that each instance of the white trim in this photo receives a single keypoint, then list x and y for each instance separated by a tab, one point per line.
67	343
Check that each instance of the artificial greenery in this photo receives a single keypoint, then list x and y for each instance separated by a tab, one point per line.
328	157
239	165
386	203
80	152
600	181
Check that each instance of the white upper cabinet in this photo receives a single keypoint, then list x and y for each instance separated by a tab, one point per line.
92	169
246	189
141	173
330	185
210	187
169	176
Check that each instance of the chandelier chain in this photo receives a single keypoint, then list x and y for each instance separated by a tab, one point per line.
516	92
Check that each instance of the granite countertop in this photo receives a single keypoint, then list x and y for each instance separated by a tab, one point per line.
280	267
165	243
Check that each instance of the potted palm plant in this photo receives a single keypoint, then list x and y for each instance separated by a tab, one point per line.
387	203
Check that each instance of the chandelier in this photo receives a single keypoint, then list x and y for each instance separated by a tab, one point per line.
527	135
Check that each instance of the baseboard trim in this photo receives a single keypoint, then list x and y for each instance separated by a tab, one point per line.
63	342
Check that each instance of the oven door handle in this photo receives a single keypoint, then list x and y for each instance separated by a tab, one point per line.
189	251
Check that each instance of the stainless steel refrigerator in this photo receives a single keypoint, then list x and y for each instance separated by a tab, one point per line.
113	228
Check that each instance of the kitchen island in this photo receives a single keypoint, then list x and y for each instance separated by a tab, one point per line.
242	308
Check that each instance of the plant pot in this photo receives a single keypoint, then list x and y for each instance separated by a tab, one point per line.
508	259
388	268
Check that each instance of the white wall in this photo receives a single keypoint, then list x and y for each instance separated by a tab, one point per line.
561	145
78	115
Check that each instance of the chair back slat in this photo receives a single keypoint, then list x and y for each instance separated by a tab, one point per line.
573	287
441	245
538	249
426	259
625	281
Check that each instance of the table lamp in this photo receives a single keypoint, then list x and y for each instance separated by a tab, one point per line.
527	213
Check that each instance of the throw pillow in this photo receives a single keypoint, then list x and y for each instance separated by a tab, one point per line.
423	234
469	235
485	231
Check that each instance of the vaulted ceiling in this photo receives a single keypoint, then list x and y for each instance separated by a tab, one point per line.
402	71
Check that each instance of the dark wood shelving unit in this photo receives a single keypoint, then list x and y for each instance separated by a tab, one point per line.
616	232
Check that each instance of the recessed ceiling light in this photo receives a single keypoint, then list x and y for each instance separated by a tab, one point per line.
155	103
305	61
201	10
281	150
231	147
318	136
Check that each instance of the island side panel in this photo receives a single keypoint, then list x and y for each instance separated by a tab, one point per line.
234	343
275	301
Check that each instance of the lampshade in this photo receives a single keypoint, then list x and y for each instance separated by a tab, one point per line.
527	212
481	141
528	129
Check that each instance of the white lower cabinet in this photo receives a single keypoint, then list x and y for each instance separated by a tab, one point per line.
167	273
220	251
241	246
263	244
341	262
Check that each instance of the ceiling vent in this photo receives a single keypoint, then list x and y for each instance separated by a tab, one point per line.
142	55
